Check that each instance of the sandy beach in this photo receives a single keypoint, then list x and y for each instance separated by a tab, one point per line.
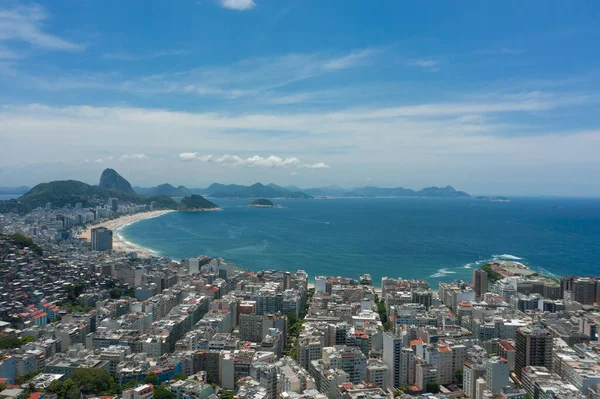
120	245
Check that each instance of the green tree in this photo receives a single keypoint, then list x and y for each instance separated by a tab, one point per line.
179	377
115	293
29	376
12	342
151	379
292	319
95	381
432	387
2	387
55	386
69	390
459	376
131	384
227	395
383	316
163	393
22	241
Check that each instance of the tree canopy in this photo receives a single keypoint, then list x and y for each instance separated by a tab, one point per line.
163	393
432	387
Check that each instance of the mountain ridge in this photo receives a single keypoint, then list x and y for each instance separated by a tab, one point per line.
62	192
112	180
271	190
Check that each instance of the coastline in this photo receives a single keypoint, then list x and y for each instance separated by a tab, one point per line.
119	243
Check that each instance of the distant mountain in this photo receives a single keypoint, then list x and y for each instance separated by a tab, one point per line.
330	191
256	190
63	192
442	192
372	191
111	180
163	189
224	190
195	203
13	190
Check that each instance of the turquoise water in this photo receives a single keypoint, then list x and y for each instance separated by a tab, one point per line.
435	239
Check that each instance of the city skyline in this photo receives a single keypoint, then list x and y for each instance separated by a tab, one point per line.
492	99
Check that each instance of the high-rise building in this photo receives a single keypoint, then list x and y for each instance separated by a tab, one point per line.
471	372
496	374
480	282
114	204
377	372
287	280
423	297
101	239
584	290
400	361
347	358
533	348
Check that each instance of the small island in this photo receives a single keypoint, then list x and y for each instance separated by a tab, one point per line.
197	203
262	203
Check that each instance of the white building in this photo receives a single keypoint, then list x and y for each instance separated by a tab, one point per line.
496	374
140	392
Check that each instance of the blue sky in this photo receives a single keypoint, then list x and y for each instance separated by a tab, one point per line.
491	97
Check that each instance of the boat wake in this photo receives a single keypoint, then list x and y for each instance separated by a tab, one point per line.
442	273
506	257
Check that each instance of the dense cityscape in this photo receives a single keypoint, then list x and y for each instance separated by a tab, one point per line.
79	319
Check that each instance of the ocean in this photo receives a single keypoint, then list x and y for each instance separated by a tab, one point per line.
434	239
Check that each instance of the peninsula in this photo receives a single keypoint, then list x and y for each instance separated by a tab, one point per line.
197	203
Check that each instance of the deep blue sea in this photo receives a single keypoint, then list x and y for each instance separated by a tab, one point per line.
435	239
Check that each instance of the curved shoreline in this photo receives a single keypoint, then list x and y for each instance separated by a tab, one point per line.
120	244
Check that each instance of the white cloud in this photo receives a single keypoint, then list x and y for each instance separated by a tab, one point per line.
351	60
260	78
135	157
446	136
25	24
238	5
140	57
502	51
425	63
99	160
188	156
256	161
318	165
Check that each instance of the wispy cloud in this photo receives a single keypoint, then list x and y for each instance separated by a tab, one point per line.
261	78
25	24
468	130
318	165
425	63
238	5
353	59
133	157
502	51
428	64
272	161
142	56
